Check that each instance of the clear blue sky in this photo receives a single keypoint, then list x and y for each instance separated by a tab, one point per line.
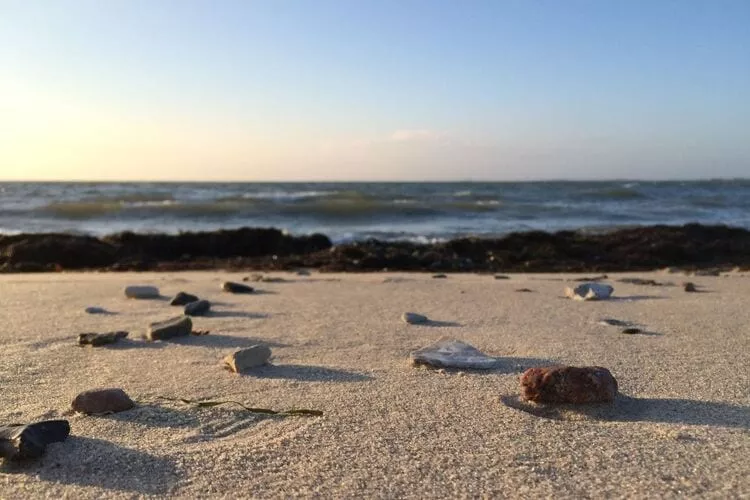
355	89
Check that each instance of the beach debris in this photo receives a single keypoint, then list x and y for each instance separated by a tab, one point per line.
24	441
245	359
593	278
199	333
142	292
232	287
439	276
452	353
641	281
264	411
263	278
96	310
102	401
524	290
613	322
706	272
197	308
568	384
689	286
174	327
631	330
100	339
501	277
183	299
414	318
589	291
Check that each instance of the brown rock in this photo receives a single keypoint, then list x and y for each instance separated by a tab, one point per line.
174	327
252	357
689	286
99	339
99	401
568	384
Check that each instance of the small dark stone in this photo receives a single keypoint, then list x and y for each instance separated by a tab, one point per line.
98	401
501	277
182	299
232	287
640	281
19	442
99	339
439	276
197	308
173	327
524	290
613	322
592	278
631	331
689	287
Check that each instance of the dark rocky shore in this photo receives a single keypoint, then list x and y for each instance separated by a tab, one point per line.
692	246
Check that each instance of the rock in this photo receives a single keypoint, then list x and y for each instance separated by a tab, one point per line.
303	272
592	278
197	308
706	272
263	278
589	291
232	287
524	290
631	330
199	333
20	442
173	327
439	276
640	281
95	310
99	401
450	353
689	287
142	292
568	384
252	357
414	318
183	298
99	339
501	277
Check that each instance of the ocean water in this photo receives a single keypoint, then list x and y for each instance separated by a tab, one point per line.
355	211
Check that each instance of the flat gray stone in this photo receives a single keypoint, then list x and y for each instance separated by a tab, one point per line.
183	298
232	287
95	310
252	357
173	327
197	308
589	291
451	353
142	292
414	318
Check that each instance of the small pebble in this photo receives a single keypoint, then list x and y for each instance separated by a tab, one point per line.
252	357
524	290
613	322
99	401
142	292
232	287
689	287
197	308
99	339
439	276
96	310
501	277
631	331
414	318
182	299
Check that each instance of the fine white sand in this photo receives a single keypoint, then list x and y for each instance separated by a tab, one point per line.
680	426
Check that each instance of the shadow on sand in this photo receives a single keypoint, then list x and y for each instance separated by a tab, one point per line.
630	409
307	373
85	462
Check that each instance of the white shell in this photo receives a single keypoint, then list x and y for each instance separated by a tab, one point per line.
451	353
589	291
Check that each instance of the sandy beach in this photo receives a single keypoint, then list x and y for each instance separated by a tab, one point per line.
679	427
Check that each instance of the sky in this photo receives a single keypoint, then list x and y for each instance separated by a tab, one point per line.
374	89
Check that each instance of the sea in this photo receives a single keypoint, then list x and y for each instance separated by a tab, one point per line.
421	211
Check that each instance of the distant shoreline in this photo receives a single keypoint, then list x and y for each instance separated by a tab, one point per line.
690	246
